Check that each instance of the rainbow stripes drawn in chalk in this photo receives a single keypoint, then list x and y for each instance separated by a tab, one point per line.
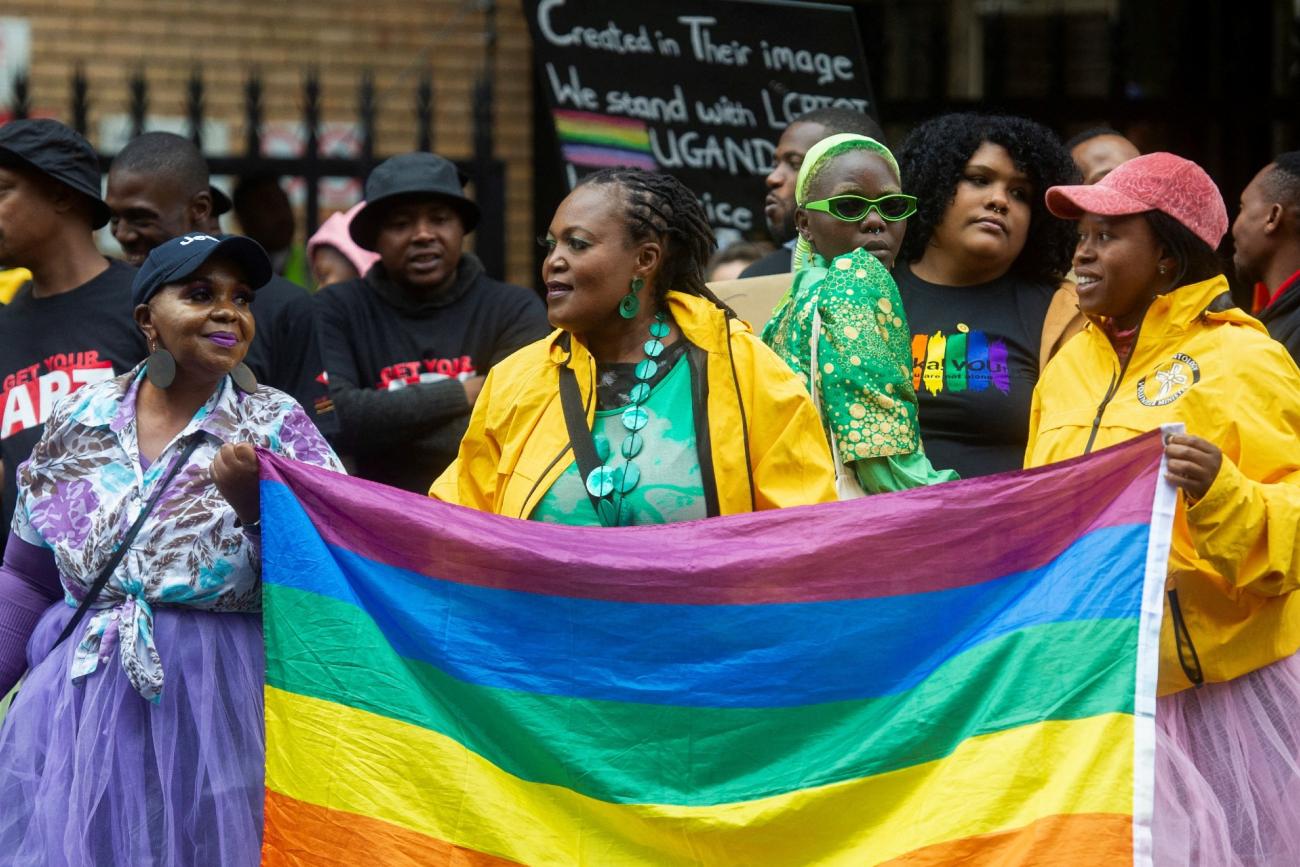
603	141
964	361
447	686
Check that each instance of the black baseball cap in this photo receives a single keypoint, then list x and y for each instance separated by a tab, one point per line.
57	151
174	260
410	176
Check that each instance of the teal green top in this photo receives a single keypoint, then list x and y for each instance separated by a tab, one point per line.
864	357
671	487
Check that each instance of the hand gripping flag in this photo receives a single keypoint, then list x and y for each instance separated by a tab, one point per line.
957	674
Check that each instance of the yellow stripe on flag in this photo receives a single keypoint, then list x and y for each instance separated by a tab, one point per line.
357	762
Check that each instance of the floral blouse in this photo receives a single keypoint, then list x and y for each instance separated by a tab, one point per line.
84	486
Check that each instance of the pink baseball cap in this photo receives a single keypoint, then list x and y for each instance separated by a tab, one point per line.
1152	182
334	233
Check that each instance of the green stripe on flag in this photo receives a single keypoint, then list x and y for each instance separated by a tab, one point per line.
698	756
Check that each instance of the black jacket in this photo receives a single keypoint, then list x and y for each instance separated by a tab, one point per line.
776	262
1282	319
285	352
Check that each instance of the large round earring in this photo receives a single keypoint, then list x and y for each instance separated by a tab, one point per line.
244	378
160	367
631	304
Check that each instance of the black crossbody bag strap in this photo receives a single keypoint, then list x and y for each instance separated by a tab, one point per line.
575	419
102	578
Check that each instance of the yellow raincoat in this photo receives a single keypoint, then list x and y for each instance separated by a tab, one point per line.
766	444
11	281
1236	552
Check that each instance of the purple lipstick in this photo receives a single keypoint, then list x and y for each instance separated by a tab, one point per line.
223	338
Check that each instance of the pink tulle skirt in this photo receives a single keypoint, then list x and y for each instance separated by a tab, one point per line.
1228	771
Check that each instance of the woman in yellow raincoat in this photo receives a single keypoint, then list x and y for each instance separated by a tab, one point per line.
1165	344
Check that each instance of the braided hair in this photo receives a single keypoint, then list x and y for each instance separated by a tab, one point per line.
661	208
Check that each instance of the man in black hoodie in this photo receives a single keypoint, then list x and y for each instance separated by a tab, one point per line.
1266	235
407	344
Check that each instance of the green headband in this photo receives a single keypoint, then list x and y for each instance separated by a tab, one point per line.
818	154
833	146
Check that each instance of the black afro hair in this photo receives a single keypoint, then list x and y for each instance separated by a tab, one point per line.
934	156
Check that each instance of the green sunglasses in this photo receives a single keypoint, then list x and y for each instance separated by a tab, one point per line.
853	209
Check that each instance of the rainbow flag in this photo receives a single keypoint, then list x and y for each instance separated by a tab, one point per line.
958	674
603	141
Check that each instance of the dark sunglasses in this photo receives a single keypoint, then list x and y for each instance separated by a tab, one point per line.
853	209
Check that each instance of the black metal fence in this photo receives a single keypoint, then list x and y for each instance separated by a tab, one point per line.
485	170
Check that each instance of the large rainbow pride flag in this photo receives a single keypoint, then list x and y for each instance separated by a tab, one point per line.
959	674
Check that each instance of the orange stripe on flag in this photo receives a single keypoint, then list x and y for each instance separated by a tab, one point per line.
299	834
1080	838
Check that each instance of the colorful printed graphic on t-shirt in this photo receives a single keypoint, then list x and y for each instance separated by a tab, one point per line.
964	361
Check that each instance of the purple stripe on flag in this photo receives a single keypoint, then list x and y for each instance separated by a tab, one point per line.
608	158
993	526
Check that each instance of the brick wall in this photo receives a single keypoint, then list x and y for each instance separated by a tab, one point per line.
393	38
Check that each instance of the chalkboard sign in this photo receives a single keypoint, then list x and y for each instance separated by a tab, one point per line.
699	88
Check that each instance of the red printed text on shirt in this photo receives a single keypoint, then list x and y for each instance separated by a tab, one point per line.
27	395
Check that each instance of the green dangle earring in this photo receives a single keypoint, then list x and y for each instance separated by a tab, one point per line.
628	307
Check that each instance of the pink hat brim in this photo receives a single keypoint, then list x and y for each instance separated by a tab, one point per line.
1072	202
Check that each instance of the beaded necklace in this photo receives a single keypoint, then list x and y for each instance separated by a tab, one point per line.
610	485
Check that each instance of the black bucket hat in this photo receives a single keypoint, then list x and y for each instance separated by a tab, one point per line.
57	151
408	176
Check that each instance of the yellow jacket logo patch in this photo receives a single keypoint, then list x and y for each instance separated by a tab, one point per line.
1170	382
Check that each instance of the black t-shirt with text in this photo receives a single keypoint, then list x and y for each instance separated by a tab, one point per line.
50	347
974	366
393	361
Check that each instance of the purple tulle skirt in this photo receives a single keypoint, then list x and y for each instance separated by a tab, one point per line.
1228	771
92	774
